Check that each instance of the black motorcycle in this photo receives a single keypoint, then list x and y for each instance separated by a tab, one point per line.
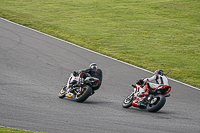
79	89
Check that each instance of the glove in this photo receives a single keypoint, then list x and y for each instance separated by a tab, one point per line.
141	81
75	73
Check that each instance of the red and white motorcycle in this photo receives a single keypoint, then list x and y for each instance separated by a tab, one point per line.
153	102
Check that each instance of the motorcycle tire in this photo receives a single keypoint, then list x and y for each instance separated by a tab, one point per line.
87	90
127	102
61	93
157	105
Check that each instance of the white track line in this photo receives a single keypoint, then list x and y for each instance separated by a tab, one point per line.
98	53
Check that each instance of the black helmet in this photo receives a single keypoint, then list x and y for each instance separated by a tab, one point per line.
93	66
160	72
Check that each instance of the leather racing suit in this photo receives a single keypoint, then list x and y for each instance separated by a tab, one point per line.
159	79
97	73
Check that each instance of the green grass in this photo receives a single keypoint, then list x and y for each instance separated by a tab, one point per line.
12	130
152	34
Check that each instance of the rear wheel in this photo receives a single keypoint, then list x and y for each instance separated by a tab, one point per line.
156	103
84	94
127	101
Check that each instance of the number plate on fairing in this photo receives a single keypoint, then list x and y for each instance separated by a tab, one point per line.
70	95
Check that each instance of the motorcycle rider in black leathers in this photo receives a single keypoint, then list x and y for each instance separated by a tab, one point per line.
92	71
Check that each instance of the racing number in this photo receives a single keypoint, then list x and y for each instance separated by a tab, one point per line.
70	95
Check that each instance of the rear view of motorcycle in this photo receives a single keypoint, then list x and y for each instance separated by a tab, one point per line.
153	102
78	89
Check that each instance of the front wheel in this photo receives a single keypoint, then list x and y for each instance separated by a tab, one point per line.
127	101
62	93
156	103
85	93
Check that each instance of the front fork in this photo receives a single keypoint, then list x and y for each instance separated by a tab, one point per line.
132	94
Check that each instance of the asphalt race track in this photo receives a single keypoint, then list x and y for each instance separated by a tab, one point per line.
34	67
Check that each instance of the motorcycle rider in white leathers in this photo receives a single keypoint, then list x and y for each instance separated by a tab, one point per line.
158	77
160	80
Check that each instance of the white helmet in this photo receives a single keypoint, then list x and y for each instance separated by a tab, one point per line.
93	66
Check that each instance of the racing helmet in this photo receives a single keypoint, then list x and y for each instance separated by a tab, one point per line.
93	66
160	72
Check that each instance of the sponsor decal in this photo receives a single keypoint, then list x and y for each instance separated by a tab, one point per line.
70	95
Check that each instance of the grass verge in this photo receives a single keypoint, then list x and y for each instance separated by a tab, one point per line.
12	130
152	34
